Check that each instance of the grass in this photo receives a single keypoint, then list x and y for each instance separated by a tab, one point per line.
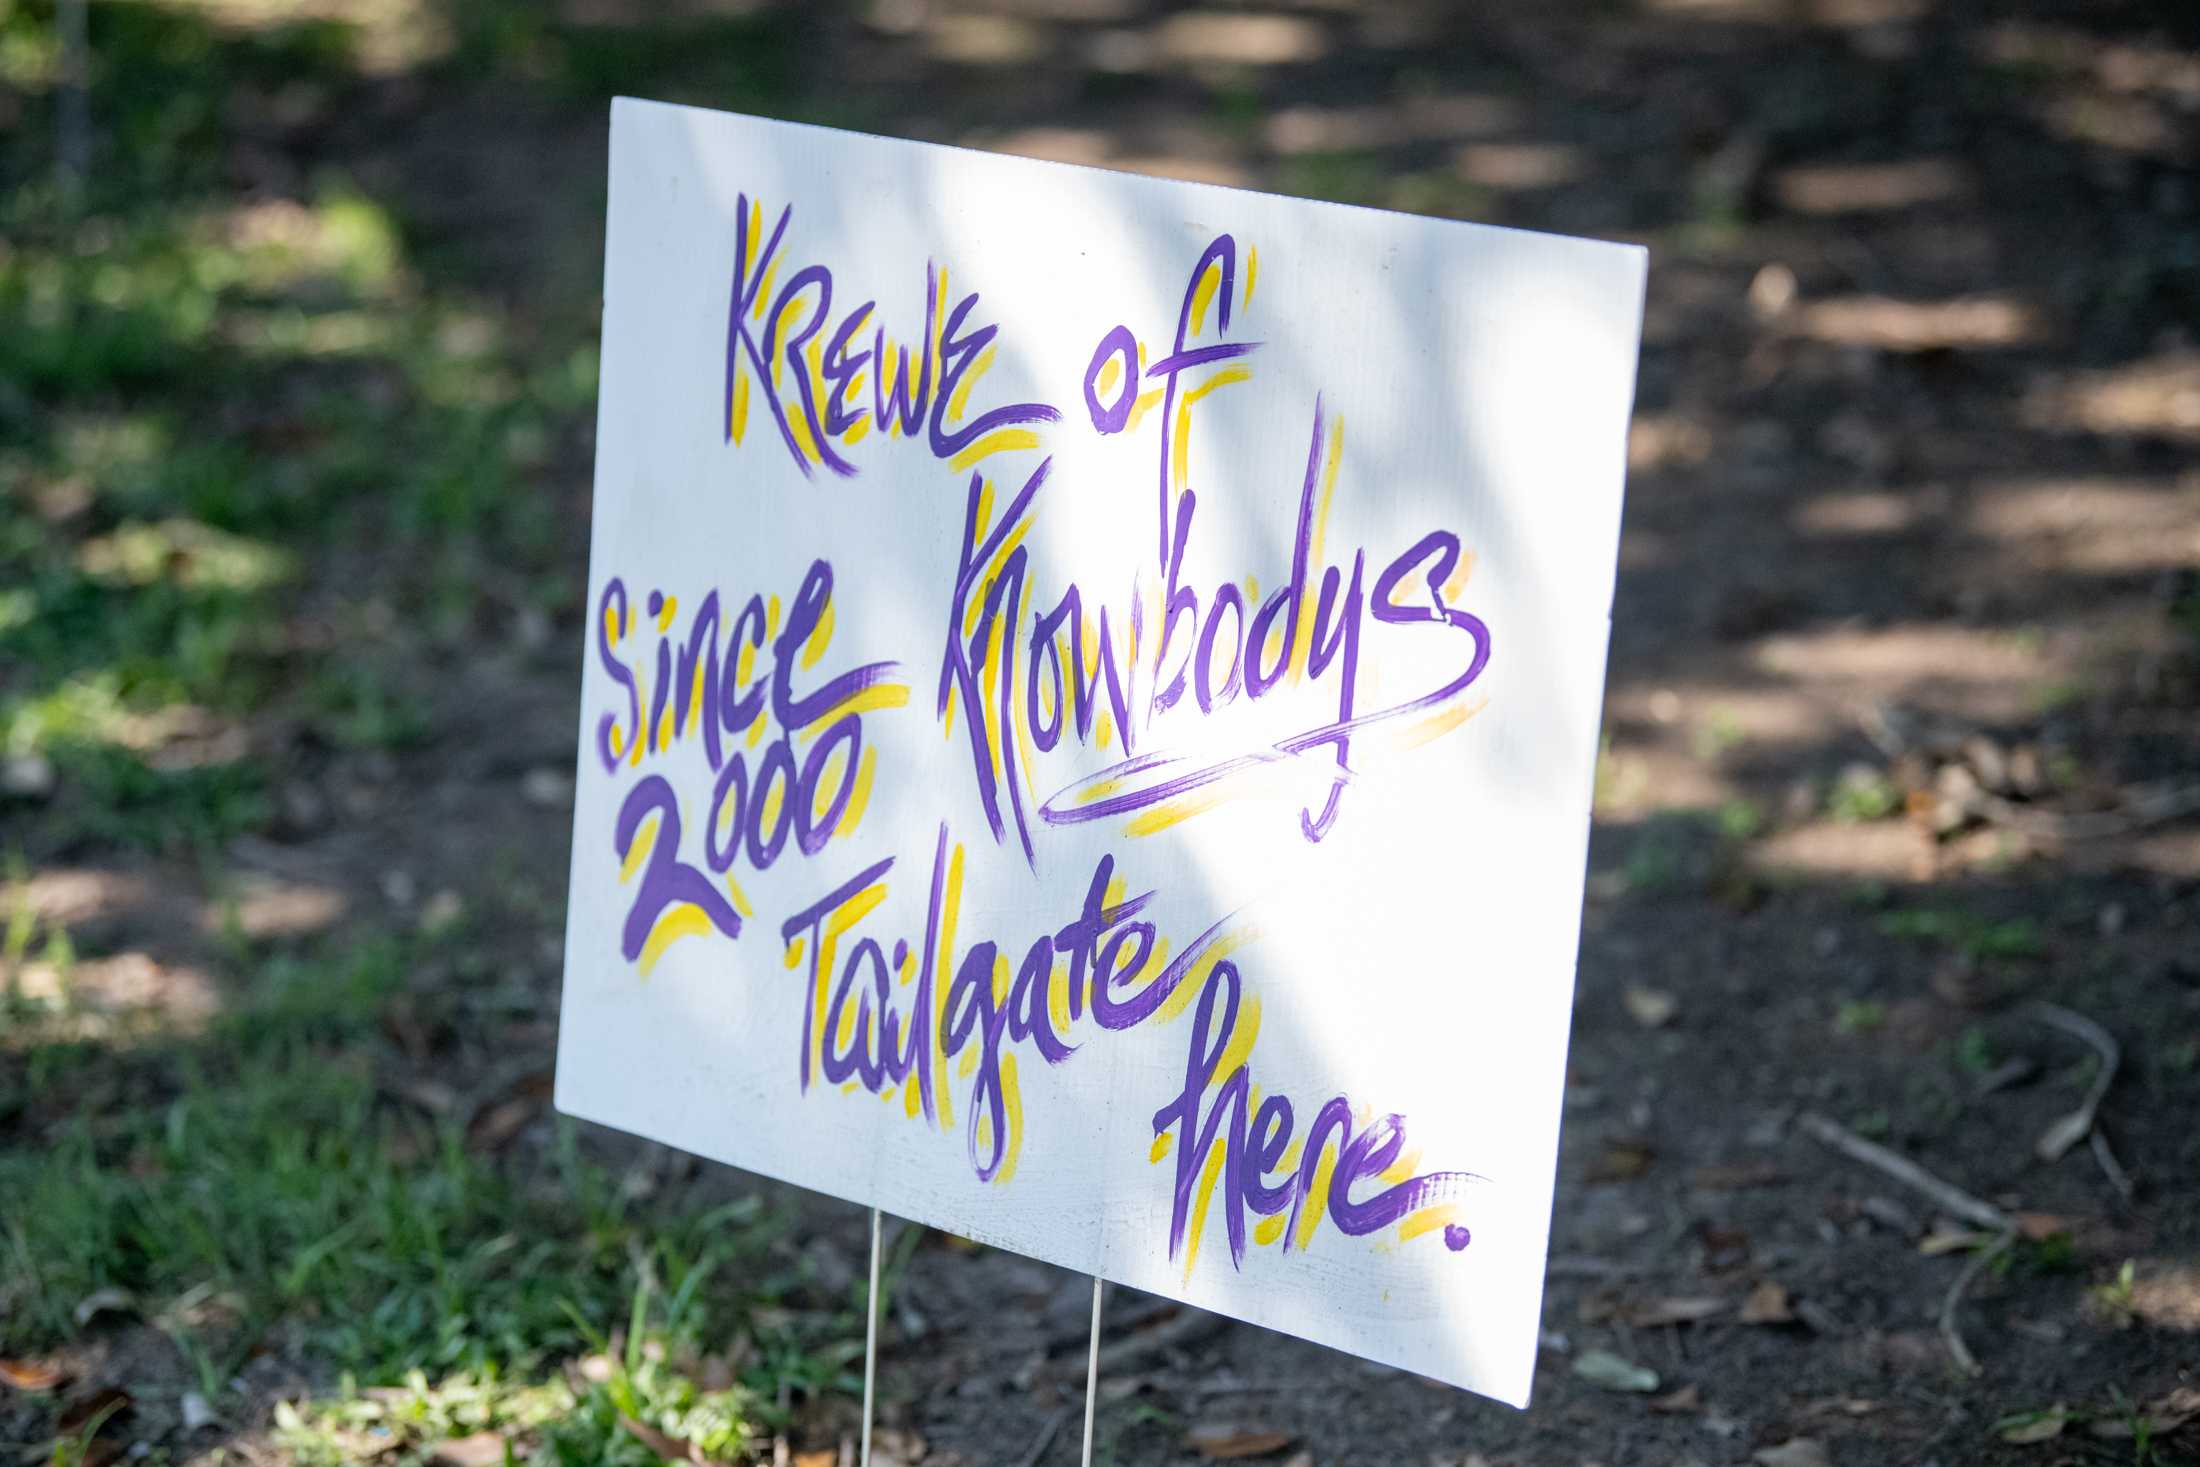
1863	795
218	413
1860	1016
257	1186
267	452
1975	937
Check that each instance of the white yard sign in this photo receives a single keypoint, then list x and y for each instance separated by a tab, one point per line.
1091	695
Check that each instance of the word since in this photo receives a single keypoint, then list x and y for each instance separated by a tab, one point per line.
811	781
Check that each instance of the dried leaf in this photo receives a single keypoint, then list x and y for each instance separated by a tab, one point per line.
2038	1227
1687	1309
482	1449
1945	1239
2058	1138
1767	1304
665	1445
1800	1451
1723	1248
431	1095
103	1301
2043	1426
98	1406
816	1459
30	1375
1225	1443
2160	1417
1737	1177
1622	1161
495	1127
1603	1368
1685	1400
1653	1008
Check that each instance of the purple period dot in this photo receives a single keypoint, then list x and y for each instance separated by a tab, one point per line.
1456	1237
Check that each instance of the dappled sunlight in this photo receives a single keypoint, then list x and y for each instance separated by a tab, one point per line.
72	896
1520	165
1846	188
2116	64
1759	11
1242	38
984	40
111	995
1083	145
2165	1295
1667	440
1968	324
1858	514
2155	396
385	37
1991	673
1189	169
2105	120
1639	778
183	553
1830	850
262	907
1714	716
1420	117
2096	525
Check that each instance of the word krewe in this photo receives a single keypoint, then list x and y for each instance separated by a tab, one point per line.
825	393
898	1017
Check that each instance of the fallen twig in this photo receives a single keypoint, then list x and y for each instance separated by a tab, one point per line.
2057	1139
1580	1266
1127	1320
1951	1198
1047	1433
1950	1333
2111	1167
2141	808
1189	1327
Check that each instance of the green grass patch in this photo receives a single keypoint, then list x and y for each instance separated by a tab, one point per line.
259	1173
1860	1016
1862	795
258	1186
1975	937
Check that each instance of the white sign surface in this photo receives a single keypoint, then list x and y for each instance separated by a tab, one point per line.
1090	703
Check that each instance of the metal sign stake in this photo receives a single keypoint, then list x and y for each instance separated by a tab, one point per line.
870	1343
1092	1370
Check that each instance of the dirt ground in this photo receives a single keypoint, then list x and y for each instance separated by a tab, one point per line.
1903	718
